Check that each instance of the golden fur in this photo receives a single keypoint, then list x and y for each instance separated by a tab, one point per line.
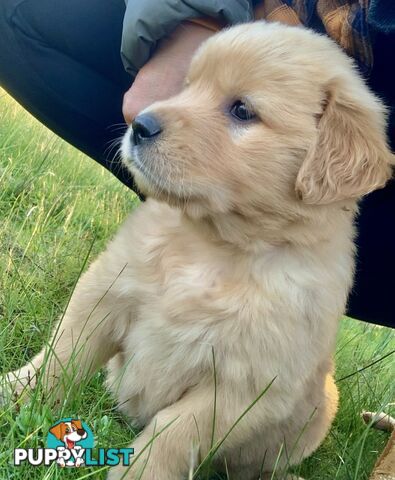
243	254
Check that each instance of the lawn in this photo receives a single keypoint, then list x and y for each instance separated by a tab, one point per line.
57	211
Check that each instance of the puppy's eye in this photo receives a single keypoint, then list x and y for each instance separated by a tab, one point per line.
240	111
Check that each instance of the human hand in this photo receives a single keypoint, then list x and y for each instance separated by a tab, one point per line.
163	75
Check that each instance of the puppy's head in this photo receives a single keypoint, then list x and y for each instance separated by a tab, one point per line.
272	120
69	432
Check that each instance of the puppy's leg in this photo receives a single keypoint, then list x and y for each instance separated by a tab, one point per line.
164	450
84	339
180	436
283	476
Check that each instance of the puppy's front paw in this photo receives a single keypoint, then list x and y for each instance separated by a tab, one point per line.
116	473
141	472
125	473
6	393
79	462
14	385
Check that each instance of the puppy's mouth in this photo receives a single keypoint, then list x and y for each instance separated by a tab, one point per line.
139	164
70	443
154	179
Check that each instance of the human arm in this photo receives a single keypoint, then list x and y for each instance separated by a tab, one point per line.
159	39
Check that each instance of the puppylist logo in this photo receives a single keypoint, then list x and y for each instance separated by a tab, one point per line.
70	443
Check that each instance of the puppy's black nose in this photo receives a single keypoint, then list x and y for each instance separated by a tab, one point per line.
145	127
81	432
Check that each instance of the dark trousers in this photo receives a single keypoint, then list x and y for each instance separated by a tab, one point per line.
60	60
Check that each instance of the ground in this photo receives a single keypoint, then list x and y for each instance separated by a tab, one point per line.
57	211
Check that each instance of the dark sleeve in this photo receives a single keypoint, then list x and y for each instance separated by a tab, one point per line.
148	21
381	15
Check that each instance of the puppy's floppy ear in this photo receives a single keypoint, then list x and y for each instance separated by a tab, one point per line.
57	431
77	424
350	157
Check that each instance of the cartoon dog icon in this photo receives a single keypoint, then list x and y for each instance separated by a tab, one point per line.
69	433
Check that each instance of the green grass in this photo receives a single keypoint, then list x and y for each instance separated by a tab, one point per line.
57	211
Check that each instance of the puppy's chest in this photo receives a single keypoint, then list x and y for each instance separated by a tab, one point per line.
198	292
185	287
199	305
186	312
170	346
189	307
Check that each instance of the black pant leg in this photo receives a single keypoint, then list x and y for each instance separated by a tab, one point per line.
60	59
372	297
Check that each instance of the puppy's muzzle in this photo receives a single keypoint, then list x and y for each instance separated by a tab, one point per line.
146	127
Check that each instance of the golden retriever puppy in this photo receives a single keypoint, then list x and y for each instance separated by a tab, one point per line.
241	257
